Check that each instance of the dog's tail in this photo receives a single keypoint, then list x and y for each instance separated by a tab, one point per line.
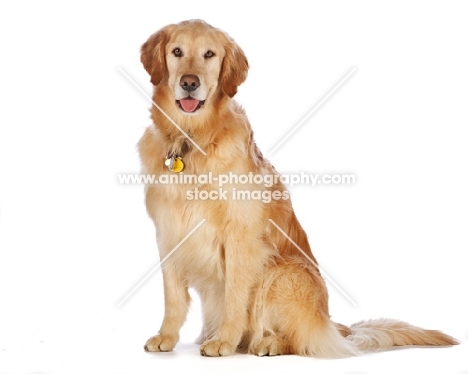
336	340
385	333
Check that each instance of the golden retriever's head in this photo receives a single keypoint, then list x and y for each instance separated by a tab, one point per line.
196	61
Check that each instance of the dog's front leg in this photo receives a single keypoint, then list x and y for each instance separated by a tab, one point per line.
177	301
244	261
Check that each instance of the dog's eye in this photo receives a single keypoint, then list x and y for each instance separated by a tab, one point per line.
177	52
209	54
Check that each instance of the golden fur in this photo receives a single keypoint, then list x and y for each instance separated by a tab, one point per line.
258	291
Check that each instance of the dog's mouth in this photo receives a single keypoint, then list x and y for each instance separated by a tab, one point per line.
189	104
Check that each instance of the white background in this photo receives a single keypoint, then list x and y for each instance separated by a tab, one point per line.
74	242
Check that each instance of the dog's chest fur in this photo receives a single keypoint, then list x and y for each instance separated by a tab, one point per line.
176	211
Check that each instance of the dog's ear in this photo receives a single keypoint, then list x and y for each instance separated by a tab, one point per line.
234	68
153	56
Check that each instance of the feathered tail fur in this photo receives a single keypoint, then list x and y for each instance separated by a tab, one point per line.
385	333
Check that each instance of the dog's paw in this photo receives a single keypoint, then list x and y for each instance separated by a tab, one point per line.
216	348
161	343
269	346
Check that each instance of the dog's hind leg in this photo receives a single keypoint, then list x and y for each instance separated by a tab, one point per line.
292	313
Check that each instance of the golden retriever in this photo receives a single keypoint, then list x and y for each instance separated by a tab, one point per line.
259	293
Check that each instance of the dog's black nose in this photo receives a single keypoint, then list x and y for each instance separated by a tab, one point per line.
189	82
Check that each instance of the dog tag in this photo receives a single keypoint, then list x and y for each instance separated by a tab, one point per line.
174	164
178	165
169	163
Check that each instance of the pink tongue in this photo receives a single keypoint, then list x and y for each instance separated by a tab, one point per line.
189	104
